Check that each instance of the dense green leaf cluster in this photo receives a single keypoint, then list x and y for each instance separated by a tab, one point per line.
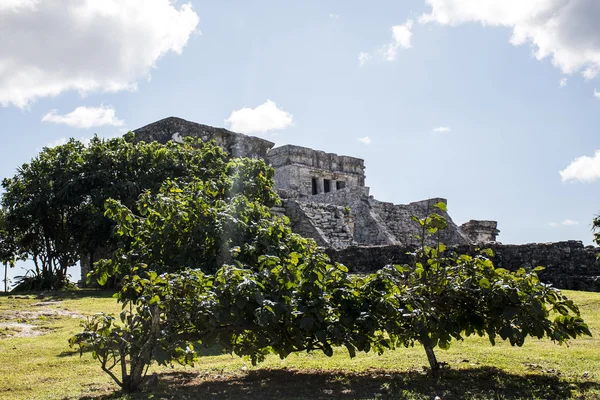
54	205
251	286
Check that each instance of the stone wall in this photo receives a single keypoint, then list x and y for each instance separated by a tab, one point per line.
569	265
398	219
302	172
480	231
369	229
236	144
329	225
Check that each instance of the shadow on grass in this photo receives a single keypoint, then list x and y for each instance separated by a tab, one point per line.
74	353
284	384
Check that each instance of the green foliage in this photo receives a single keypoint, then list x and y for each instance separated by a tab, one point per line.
200	223
207	265
445	296
282	305
596	229
8	249
37	209
54	205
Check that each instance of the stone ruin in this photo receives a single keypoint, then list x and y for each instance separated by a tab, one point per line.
324	194
325	197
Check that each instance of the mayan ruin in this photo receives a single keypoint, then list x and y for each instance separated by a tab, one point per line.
326	198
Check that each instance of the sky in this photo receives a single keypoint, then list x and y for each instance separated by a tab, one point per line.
491	104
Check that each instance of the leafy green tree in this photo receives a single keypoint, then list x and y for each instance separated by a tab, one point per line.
248	285
444	296
8	251
596	229
122	169
38	209
200	223
55	203
276	293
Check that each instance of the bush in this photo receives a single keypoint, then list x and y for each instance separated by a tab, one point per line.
277	293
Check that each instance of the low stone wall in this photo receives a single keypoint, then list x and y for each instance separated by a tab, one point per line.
569	265
398	219
370	229
330	225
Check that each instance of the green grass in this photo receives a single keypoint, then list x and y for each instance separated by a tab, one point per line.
44	367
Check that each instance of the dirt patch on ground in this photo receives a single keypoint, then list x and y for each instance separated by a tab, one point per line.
39	314
29	320
17	329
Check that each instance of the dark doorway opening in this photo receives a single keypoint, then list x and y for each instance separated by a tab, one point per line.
314	186
340	185
326	185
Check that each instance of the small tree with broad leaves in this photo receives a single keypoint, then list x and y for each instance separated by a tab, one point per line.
443	296
261	289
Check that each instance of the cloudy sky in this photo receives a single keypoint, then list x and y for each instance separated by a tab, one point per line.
492	104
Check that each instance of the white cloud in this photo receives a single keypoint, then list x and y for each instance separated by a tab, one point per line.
401	36
264	118
567	31
566	222
441	129
596	94
85	117
364	58
590	72
334	16
563	82
365	140
583	169
87	46
17	5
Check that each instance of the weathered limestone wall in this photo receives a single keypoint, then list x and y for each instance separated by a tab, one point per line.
301	172
480	231
175	129
369	229
330	225
569	265
398	219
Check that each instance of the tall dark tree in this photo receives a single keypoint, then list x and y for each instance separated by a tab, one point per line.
8	248
38	210
54	204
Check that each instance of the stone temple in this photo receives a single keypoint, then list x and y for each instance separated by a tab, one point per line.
324	194
325	197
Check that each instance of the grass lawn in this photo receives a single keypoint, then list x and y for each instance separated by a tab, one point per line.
37	363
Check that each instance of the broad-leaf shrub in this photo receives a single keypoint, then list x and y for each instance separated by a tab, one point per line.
259	289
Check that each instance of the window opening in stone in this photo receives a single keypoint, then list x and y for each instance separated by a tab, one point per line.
340	185
314	186
326	185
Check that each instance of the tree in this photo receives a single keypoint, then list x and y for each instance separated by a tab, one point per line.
8	253
54	205
38	209
229	274
596	229
444	296
249	285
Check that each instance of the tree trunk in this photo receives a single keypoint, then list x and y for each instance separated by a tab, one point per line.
433	363
139	362
5	278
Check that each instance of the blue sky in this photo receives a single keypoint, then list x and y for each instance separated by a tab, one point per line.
482	102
